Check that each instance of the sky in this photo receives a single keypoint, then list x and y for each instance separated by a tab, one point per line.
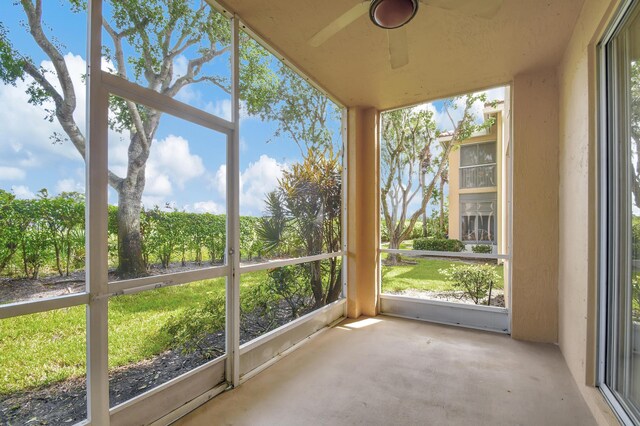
186	168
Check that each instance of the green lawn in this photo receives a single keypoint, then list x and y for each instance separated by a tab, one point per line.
423	276
44	348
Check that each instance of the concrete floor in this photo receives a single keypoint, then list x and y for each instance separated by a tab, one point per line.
390	371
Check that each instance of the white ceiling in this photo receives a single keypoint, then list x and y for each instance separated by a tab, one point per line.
449	53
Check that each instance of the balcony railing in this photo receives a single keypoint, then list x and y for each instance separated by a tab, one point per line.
478	176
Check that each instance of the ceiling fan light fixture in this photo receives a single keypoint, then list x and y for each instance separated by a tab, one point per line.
390	14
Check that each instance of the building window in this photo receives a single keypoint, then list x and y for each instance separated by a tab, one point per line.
478	218
478	165
619	375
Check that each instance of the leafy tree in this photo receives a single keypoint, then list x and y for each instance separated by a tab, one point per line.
290	284
302	112
413	160
308	202
146	37
273	226
12	226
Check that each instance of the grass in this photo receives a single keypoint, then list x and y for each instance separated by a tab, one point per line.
423	276
45	348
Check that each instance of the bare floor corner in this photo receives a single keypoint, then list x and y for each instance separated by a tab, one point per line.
389	371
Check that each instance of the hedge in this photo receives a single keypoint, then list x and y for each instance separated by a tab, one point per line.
438	244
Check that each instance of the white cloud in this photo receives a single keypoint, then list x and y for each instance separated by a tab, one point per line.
11	173
157	184
172	157
180	65
256	180
24	128
223	108
220	108
218	181
206	207
69	185
22	191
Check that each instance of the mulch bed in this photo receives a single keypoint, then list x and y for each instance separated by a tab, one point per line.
22	289
65	402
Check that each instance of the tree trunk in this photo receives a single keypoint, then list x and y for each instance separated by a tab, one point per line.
56	248
394	244
68	255
425	230
131	262
335	287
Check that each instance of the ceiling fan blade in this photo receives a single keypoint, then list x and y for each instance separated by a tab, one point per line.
340	23
481	8
398	47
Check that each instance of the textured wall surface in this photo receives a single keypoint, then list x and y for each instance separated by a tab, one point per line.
535	207
363	211
577	203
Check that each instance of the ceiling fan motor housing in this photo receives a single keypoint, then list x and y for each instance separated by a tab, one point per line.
390	14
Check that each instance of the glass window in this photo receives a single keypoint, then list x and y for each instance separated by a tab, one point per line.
477	220
622	216
469	155
478	165
477	154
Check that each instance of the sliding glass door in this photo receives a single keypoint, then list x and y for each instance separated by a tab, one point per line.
620	221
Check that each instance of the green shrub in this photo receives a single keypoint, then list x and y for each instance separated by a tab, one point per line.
188	330
417	231
475	281
635	234
482	248
434	244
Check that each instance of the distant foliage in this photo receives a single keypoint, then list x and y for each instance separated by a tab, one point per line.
475	281
41	233
635	231
482	248
47	235
433	244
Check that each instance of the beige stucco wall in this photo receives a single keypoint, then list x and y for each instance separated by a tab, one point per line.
534	287
363	212
577	203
